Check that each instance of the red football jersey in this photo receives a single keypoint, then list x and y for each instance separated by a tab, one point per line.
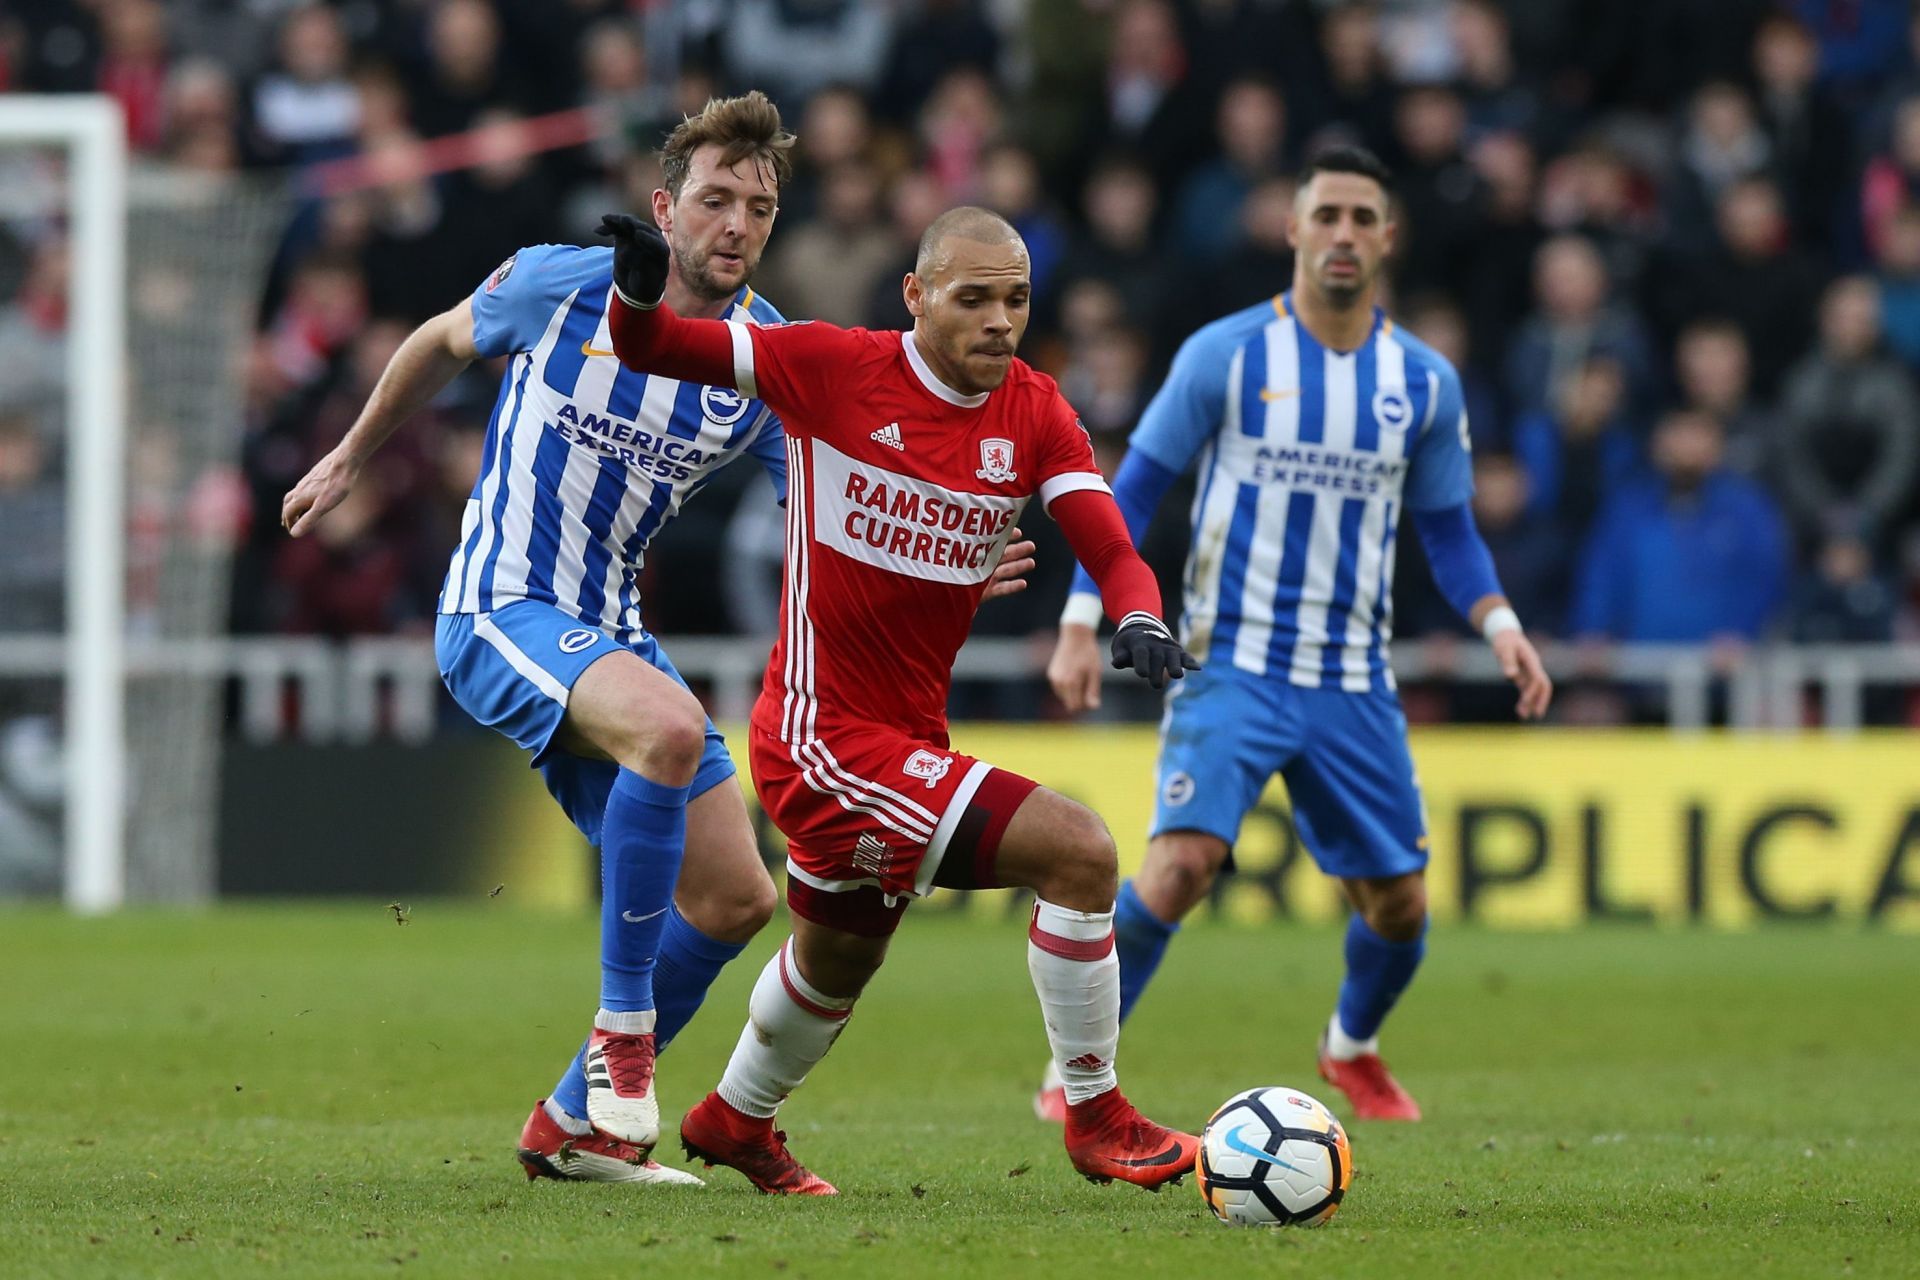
900	496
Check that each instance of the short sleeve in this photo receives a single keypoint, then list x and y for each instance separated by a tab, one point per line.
1066	454
799	367
1187	410
769	448
514	304
1440	473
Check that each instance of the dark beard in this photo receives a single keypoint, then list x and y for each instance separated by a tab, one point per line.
698	277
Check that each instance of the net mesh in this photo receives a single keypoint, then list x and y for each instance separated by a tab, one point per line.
197	252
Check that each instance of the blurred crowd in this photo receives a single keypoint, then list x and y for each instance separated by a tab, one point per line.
1672	245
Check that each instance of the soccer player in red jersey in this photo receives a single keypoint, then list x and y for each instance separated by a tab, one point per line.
910	455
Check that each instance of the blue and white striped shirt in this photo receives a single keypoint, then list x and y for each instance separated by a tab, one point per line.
586	460
1305	457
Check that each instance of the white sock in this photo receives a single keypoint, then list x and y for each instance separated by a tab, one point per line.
566	1120
637	1022
790	1026
1342	1047
1077	977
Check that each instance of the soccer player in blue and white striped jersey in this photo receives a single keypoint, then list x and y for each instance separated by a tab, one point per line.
540	633
1312	421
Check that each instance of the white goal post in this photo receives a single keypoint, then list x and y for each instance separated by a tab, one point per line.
93	132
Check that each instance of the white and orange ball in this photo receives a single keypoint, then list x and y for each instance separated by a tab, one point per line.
1274	1157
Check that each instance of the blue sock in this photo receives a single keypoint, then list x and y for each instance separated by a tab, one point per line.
1140	937
1377	972
571	1093
689	962
642	839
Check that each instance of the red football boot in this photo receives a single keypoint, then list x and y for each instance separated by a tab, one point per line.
1108	1139
548	1151
1369	1086
718	1134
620	1097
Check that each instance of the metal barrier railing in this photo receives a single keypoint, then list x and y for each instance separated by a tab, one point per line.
352	691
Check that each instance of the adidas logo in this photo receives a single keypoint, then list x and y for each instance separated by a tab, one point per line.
889	435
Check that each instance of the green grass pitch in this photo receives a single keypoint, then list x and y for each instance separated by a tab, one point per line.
317	1091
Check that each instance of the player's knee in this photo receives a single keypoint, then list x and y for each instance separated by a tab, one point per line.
737	913
1187	870
1400	913
1085	871
667	739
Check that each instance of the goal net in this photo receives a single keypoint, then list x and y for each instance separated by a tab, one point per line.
127	304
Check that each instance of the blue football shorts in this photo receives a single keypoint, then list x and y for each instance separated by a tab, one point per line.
513	669
1350	779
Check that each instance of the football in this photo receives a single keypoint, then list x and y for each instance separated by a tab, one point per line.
1274	1157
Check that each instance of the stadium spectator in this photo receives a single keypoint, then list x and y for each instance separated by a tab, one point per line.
1579	454
1152	106
1755	277
1529	553
466	71
1497	291
32	527
1692	553
961	119
1441	325
839	130
1723	144
1844	600
1440	193
1010	186
1250	129
203	117
1574	320
828	268
1118	247
133	67
1891	179
1350	98
942	36
1499	97
1849	439
306	107
791	49
1898	275
1714	373
1802	123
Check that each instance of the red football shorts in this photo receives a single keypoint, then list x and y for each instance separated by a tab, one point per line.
872	817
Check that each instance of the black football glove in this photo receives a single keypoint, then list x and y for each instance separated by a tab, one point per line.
1144	644
640	259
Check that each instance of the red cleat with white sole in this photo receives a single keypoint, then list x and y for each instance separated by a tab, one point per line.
718	1134
1369	1086
620	1097
1050	1100
1108	1139
548	1151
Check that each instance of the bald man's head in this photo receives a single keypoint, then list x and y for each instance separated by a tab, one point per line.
968	222
968	296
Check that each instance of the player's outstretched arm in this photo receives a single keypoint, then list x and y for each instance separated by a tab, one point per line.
1075	668
432	356
1128	590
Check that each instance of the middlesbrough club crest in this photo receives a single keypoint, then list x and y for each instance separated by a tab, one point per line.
996	460
927	766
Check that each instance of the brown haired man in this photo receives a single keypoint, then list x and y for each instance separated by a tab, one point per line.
540	634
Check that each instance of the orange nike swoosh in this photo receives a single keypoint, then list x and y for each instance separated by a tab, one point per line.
588	349
1285	393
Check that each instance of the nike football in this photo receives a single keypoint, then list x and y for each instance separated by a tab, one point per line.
1273	1157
